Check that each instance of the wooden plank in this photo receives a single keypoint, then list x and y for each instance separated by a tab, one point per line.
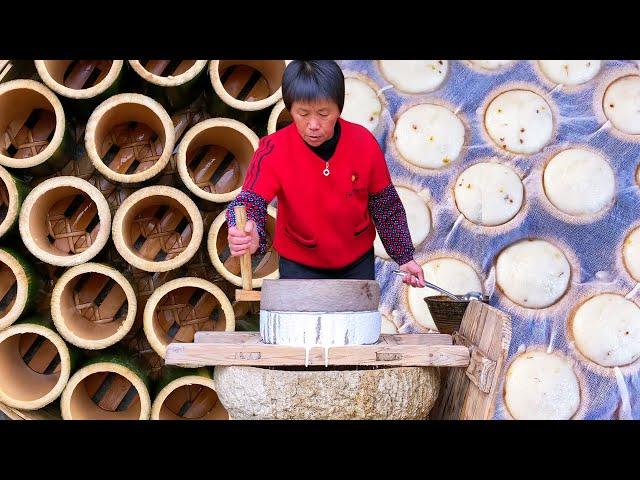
487	331
232	338
261	354
247	295
240	338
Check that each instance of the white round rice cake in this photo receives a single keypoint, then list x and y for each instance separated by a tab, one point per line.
361	104
418	219
414	76
489	194
579	182
541	386
533	273
631	254
429	136
621	104
569	72
606	329
490	64
451	274
519	121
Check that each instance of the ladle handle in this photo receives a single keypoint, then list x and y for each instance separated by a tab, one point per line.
431	285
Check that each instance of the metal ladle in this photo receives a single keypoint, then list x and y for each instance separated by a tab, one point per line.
461	298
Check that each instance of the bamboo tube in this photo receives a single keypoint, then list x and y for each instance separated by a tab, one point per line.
173	83
83	84
108	387
180	308
214	156
263	266
33	133
18	286
93	306
279	118
245	89
35	364
157	229
65	221
129	138
185	394
12	194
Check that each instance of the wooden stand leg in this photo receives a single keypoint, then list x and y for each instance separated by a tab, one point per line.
471	393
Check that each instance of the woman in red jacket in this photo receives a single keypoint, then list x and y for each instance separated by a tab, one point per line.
332	185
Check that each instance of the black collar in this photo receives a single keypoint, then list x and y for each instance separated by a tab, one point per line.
328	148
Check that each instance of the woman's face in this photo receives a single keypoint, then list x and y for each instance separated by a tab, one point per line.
315	120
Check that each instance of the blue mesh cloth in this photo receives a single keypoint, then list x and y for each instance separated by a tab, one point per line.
594	248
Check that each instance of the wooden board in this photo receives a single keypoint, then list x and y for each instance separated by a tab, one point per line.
247	295
472	393
246	348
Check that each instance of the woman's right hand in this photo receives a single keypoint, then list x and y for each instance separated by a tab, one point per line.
241	242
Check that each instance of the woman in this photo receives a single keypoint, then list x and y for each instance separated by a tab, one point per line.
332	185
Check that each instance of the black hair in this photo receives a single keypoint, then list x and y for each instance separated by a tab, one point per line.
312	80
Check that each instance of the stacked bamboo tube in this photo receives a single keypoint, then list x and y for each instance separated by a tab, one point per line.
114	181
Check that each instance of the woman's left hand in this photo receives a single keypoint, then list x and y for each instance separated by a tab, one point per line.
415	276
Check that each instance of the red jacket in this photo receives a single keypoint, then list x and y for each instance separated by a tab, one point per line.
324	221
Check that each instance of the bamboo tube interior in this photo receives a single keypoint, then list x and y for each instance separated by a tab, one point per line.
129	138
93	305
64	221
166	68
78	74
157	228
27	123
218	158
184	311
251	80
284	119
29	366
193	402
105	395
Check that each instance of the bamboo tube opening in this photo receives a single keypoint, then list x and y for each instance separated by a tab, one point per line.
105	391
168	73
93	306
157	229
248	85
14	287
279	118
263	266
129	138
34	366
79	79
180	308
189	398
65	221
9	201
32	123
214	156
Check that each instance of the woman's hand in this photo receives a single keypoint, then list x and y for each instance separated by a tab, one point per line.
415	274
241	242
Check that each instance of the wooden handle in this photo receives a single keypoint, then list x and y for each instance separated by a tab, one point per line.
245	261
